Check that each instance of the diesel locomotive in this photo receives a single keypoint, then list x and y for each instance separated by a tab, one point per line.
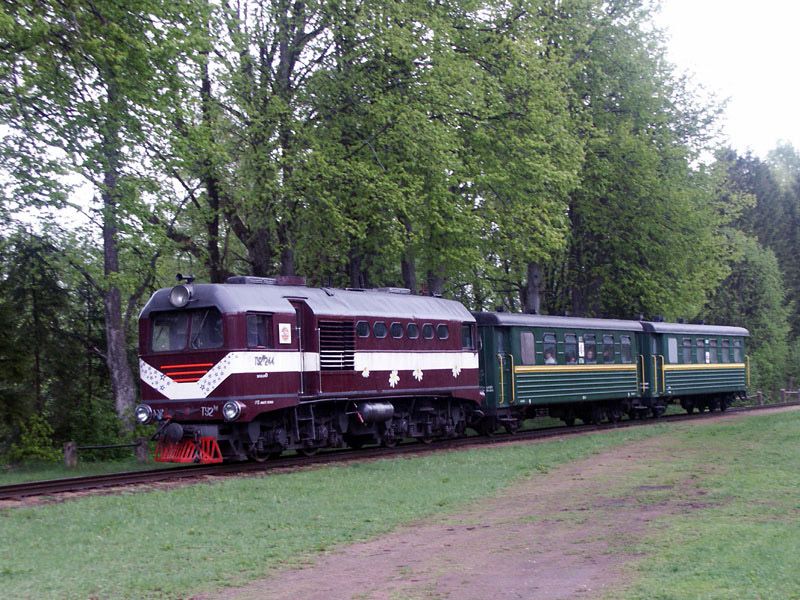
257	366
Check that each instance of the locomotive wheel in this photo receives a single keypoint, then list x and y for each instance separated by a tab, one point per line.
425	439
389	442
308	451
261	456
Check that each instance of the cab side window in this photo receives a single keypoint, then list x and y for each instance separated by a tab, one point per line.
258	331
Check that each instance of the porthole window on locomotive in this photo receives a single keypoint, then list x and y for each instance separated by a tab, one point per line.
396	330
362	329
379	329
442	331
625	347
412	331
427	331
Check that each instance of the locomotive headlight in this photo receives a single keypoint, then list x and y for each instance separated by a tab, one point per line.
231	410
180	295
144	414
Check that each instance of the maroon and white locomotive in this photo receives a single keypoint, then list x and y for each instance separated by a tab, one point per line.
256	366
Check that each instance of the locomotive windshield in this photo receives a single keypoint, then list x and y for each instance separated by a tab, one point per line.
181	330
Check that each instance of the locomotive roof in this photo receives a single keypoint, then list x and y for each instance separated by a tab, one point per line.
527	320
244	297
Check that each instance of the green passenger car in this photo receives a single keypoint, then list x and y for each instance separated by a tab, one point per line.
597	369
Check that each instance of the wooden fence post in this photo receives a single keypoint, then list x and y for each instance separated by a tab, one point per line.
141	450
760	398
71	455
783	396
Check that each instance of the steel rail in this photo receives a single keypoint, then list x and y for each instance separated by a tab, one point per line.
52	487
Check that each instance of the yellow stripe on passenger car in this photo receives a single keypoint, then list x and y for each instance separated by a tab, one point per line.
711	366
573	368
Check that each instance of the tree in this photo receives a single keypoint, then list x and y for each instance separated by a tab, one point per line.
753	296
84	81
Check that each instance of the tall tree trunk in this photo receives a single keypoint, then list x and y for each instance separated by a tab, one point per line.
408	262
213	257
122	381
435	283
532	300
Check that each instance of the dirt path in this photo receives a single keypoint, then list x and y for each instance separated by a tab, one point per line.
565	534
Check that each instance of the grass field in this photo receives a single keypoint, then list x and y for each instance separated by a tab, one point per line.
743	543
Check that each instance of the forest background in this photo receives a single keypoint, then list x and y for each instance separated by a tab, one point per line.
526	155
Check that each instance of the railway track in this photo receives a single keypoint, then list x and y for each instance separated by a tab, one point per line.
55	487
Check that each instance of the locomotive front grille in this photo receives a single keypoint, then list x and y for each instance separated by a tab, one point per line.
186	373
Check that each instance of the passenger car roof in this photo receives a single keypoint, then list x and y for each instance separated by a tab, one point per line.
527	320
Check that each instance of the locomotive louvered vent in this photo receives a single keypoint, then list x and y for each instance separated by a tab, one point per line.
337	341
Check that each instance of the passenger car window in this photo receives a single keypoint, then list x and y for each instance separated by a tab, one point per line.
549	348
712	351
687	351
590	349
625	347
571	348
527	348
701	352
379	329
724	355
608	348
737	350
672	350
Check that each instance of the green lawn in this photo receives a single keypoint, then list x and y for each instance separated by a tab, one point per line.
181	542
741	539
741	543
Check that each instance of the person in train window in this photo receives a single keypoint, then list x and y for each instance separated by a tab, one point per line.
549	359
571	359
